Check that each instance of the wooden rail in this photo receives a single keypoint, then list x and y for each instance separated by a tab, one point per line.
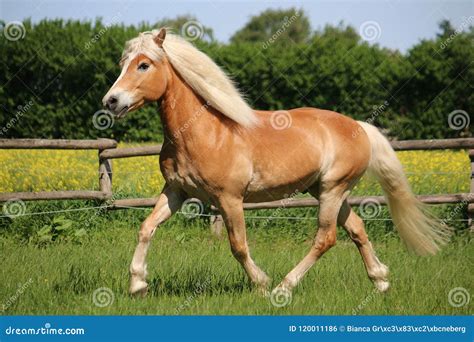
57	144
105	168
433	144
128	152
308	202
55	195
107	150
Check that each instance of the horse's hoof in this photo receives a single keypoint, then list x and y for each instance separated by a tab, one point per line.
138	288
263	291
382	285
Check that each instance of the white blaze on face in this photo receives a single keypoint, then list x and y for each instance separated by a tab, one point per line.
123	97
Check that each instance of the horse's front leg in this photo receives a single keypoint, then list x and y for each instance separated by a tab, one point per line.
232	212
168	203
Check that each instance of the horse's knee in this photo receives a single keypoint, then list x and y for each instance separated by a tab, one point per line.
146	232
325	241
356	231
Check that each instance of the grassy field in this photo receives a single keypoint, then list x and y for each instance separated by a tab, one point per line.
76	261
192	273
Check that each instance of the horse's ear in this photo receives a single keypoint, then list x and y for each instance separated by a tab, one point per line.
160	37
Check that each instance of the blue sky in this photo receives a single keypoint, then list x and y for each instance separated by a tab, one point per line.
403	23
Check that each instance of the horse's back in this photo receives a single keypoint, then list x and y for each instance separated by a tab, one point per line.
301	145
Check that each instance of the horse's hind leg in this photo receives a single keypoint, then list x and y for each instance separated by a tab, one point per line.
354	225
168	203
232	212
330	203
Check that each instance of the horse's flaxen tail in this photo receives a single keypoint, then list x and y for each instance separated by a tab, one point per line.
418	227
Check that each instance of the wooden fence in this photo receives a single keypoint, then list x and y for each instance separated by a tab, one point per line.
107	150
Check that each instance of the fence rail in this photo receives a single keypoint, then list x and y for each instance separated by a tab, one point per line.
107	150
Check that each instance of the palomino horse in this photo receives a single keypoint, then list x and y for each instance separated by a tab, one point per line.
218	149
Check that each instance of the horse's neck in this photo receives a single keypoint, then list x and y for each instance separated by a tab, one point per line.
186	116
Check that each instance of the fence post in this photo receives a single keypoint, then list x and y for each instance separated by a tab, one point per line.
470	206
217	225
105	175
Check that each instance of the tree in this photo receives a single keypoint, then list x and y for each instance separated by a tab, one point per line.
338	33
188	26
290	25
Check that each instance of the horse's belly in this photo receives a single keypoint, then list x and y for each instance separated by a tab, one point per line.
259	191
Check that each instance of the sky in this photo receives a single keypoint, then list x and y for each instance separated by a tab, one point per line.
402	23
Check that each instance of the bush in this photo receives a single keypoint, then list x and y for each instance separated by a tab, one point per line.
56	76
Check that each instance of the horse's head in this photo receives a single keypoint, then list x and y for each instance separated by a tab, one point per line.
144	74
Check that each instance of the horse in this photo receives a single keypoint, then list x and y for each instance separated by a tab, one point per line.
219	150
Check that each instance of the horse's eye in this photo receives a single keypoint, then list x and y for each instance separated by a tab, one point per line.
143	67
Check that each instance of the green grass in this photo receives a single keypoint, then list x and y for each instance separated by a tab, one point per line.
189	268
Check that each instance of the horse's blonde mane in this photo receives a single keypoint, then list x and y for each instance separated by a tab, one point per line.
199	71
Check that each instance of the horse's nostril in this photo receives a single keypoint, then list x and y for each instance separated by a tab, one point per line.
111	102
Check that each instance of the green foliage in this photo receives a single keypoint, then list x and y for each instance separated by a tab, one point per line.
187	25
64	68
60	229
289	25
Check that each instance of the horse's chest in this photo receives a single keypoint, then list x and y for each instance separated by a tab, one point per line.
179	174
